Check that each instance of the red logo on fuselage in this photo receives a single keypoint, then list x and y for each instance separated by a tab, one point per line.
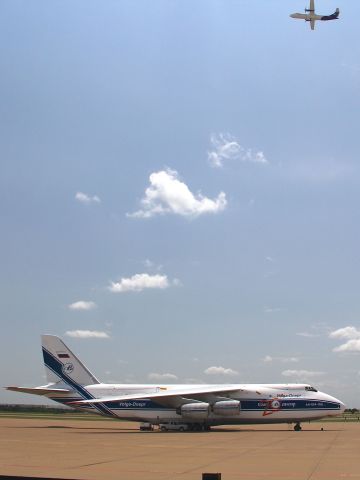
272	406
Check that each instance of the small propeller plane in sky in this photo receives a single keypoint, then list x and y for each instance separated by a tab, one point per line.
312	17
198	406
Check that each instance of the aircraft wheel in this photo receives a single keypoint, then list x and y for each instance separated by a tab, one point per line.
297	427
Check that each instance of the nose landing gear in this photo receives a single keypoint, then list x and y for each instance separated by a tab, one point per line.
297	427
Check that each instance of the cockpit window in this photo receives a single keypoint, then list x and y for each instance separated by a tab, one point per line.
310	389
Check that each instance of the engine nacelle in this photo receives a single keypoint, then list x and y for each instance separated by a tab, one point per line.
227	408
197	410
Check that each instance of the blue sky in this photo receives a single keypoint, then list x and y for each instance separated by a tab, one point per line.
188	172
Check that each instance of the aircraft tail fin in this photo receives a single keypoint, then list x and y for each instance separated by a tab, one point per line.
62	365
333	16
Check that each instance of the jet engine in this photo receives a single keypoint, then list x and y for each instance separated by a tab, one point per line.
227	408
195	410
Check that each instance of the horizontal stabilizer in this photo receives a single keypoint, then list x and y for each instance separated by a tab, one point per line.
190	392
38	390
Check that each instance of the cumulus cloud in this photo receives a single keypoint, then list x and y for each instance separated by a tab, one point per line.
167	194
141	281
349	346
82	305
87	199
301	374
221	371
160	377
351	334
226	147
86	334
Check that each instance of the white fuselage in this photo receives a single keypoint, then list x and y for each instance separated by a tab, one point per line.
306	16
259	403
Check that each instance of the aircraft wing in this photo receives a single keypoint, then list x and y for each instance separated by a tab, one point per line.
38	390
166	394
312	6
312	24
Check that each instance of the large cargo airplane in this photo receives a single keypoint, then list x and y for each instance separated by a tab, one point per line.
312	17
198	406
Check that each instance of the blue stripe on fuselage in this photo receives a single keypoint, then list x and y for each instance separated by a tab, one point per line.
291	404
246	405
141	404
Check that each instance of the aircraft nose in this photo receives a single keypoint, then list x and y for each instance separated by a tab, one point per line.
342	405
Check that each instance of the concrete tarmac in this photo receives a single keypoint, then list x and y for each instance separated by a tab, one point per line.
118	450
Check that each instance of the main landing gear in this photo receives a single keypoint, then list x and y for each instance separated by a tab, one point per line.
198	427
297	427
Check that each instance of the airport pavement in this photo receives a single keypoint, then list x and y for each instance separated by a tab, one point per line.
118	450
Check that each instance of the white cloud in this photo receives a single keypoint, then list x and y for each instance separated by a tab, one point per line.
289	359
167	194
301	374
273	309
87	199
317	330
139	282
220	371
349	346
269	359
86	334
122	362
150	265
226	147
307	334
82	305
270	259
346	332
351	334
160	377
